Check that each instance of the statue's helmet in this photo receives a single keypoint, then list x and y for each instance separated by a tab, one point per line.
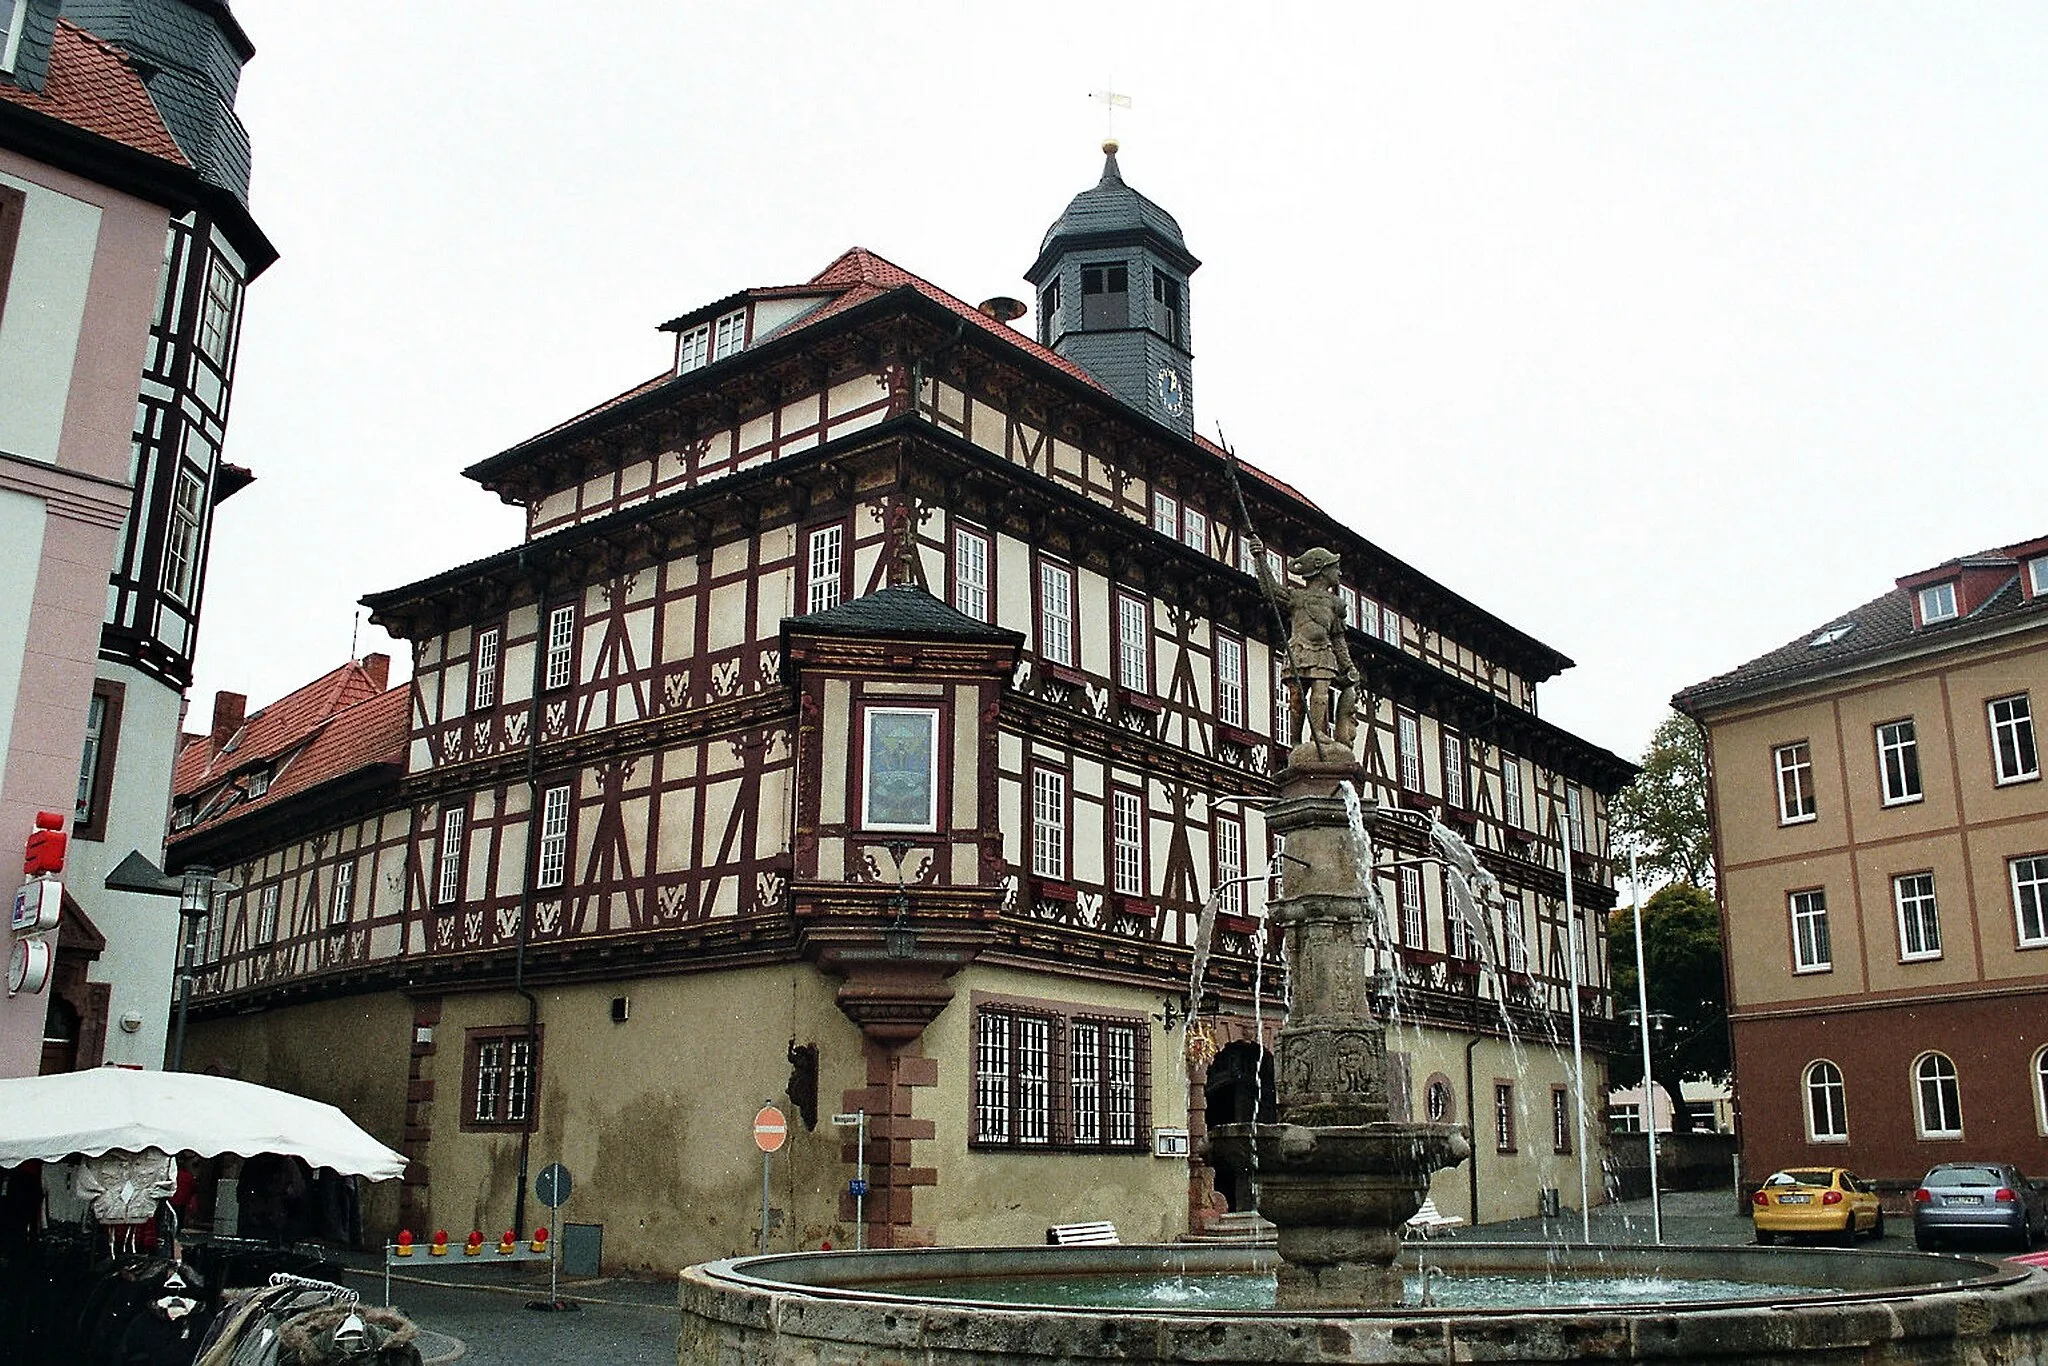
1310	563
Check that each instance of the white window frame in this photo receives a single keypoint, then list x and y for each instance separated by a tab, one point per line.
448	875
344	893
89	758
729	334
970	572
927	816
1414	934
1935	1079
2037	575
1794	764
1390	626
1918	915
1127	842
484	685
218	311
825	555
1348	595
1575	817
2029	877
1230	681
1230	864
1515	931
266	914
182	536
1937	603
693	349
1165	514
1898	749
1812	947
1408	750
1454	770
1511	812
1824	1090
1194	529
2040	1071
1049	824
552	867
1133	642
1056	613
2015	758
10	41
561	658
1368	616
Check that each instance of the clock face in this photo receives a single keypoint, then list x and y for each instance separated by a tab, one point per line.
1170	396
29	967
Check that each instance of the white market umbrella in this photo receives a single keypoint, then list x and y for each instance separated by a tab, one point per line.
94	1112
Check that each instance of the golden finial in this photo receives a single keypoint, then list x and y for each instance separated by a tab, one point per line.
1109	147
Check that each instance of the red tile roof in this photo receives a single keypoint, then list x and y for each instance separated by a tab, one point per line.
92	87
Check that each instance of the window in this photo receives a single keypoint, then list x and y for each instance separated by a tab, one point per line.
1938	1097
217	311
1283	711
729	334
96	762
822	593
1049	311
1517	937
553	865
1408	740
1810	950
1827	1106
1367	617
1165	514
1045	1080
1439	1101
1898	761
2037	570
1105	296
484	682
1194	529
1049	824
1230	864
561	665
1937	603
901	752
1575	816
2041	1089
1511	792
970	573
499	1080
13	202
10	49
266	914
181	537
1127	838
1795	782
1167	311
344	893
1560	1120
1230	680
1390	626
448	885
1828	635
1056	613
1133	642
1411	908
1504	1116
1459	939
1625	1119
2012	739
2030	898
693	349
1919	922
1454	771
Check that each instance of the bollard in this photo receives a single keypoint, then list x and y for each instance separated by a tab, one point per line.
440	1247
540	1240
405	1242
475	1244
505	1243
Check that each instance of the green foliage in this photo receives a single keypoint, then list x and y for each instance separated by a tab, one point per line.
1688	1004
1662	816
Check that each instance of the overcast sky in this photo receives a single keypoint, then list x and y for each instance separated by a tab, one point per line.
1664	332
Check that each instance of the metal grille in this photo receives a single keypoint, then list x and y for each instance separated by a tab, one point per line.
1034	1080
992	1079
1086	1090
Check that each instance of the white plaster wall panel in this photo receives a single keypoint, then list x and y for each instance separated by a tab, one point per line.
728	559
597	491
46	299
776	599
862	567
1015	589
850	395
798	416
1092	614
755	437
678	630
674	838
21	554
988	428
837	719
1014	801
949	403
728	624
967	774
772	314
636	478
854	422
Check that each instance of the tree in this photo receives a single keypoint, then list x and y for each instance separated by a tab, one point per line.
1662	816
1688	1006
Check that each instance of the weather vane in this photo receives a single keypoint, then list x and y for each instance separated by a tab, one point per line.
1111	102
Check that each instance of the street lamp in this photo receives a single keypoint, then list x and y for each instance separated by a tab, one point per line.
195	909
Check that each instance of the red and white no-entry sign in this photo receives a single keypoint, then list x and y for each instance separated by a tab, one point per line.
771	1130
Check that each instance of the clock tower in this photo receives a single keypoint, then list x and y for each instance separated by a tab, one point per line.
1112	285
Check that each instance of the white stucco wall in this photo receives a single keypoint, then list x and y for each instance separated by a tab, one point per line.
46	298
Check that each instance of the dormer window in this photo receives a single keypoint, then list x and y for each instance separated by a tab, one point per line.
1106	296
1937	603
729	334
693	349
259	782
2037	576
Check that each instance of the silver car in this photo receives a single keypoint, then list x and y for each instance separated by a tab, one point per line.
1967	1199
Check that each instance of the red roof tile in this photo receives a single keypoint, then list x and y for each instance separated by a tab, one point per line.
92	87
281	726
363	734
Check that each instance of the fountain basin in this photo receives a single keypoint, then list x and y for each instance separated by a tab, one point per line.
1863	1307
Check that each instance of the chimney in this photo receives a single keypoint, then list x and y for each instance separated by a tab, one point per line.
377	668
227	716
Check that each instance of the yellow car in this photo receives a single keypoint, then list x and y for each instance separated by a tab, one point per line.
1831	1201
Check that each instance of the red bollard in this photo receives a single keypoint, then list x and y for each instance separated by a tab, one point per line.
475	1244
440	1247
405	1242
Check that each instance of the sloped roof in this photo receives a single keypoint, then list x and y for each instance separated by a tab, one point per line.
1874	631
1111	210
92	88
900	610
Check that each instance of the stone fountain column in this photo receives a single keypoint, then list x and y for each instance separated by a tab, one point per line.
1336	1176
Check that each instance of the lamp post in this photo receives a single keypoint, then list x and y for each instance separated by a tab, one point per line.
1635	891
195	907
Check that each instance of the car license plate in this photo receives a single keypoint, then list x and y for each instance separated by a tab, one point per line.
1795	1199
1966	1199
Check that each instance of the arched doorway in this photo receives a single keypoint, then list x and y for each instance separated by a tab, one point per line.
1239	1090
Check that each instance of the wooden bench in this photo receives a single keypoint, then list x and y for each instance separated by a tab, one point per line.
1082	1235
1428	1221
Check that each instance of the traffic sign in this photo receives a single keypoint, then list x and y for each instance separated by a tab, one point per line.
771	1130
552	1186
846	1121
856	1187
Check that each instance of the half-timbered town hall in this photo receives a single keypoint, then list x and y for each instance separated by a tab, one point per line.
877	699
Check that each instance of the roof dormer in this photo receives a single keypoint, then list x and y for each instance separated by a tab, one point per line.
1951	591
737	322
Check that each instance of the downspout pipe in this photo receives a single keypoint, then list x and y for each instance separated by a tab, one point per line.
540	628
1472	1114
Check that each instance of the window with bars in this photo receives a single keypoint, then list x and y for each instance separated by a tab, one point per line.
1412	933
1390	626
1230	864
2030	898
1045	1079
1459	939
1049	824
1561	1125
344	893
1368	617
1230	680
1795	782
1827	1104
1167	309
552	867
1919	918
1811	951
970	573
448	886
1106	295
1408	743
1127	837
500	1078
561	660
1056	613
1348	595
823	581
1454	771
1133	642
1504	1116
1898	761
2014	757
484	683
